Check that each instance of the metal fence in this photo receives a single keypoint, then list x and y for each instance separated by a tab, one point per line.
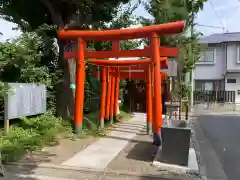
214	96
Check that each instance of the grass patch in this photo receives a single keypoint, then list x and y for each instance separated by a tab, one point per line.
91	120
32	134
124	116
91	125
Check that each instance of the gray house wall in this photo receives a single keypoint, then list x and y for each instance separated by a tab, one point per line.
224	73
215	71
232	64
226	66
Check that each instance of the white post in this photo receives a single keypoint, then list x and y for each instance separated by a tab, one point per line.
118	111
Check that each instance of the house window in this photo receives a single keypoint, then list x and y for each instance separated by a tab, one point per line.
203	86
208	56
231	80
208	86
199	85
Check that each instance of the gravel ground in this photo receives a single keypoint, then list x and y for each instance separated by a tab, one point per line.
137	157
58	154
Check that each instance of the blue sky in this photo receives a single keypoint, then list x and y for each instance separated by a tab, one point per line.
228	12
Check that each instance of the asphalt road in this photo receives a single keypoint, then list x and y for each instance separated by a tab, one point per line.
219	144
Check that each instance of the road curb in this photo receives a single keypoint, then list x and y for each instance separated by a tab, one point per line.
202	168
161	174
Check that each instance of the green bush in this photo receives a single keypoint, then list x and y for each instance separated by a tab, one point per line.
32	134
123	116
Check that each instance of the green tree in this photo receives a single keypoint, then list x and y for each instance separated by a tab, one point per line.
29	15
21	62
164	11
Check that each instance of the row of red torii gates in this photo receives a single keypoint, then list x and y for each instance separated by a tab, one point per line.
113	70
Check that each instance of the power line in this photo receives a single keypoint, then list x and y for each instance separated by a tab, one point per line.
216	27
217	15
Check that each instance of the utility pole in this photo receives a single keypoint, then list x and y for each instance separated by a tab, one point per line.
191	80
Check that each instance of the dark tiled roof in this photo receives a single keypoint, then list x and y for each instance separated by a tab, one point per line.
219	38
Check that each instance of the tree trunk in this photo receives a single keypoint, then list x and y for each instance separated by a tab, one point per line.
65	95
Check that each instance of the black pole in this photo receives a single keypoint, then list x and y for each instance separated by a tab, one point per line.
186	113
164	98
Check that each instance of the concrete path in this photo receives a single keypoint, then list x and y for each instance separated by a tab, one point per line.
219	144
101	153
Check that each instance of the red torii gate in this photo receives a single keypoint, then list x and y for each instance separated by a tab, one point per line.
154	52
145	73
111	105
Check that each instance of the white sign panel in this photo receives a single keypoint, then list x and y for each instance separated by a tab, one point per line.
24	100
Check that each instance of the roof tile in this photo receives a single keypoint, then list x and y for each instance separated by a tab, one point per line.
220	38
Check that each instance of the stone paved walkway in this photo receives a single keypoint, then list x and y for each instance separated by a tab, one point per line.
99	154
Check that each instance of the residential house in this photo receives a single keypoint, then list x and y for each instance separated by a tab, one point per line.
219	66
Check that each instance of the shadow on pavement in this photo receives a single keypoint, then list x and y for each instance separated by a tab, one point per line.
143	151
11	176
18	172
131	125
124	139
